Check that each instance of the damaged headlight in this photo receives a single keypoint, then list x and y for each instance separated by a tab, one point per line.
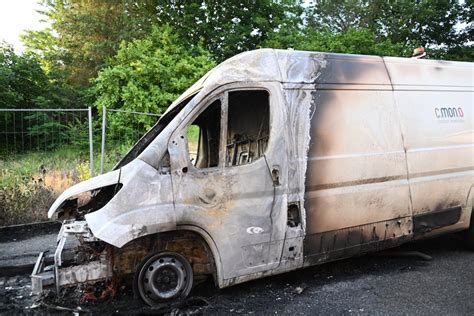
87	202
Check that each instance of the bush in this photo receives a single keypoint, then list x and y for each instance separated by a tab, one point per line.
147	75
25	201
30	183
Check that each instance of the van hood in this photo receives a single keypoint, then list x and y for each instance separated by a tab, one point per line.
98	182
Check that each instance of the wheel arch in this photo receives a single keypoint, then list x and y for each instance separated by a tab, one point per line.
470	197
218	275
470	202
181	240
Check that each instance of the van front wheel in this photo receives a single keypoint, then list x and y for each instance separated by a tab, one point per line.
162	277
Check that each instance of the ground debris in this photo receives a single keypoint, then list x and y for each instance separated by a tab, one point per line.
404	253
192	306
64	309
359	284
299	290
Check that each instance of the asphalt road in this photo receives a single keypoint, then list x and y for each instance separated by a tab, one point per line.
382	284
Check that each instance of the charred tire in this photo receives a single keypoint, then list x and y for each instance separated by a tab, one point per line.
163	277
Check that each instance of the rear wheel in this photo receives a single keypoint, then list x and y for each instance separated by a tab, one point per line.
469	234
162	277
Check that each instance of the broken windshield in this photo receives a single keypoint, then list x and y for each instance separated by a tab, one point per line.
153	133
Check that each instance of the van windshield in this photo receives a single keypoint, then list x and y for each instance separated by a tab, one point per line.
153	133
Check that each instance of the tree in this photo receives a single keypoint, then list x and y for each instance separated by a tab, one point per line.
430	23
44	47
85	33
426	22
338	16
228	28
352	41
43	44
148	74
23	84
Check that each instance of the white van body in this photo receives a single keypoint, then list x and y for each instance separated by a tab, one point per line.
360	153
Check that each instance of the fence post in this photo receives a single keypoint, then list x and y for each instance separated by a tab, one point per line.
104	127
91	146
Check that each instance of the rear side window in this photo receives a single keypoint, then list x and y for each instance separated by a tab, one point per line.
248	126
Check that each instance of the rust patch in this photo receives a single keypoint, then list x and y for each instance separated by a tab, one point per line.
187	244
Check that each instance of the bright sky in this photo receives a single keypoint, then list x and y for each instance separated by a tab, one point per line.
17	16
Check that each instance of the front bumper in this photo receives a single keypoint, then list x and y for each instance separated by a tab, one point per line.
64	271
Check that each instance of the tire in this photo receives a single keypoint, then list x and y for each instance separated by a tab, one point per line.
469	234
163	277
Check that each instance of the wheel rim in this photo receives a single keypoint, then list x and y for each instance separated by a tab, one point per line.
164	277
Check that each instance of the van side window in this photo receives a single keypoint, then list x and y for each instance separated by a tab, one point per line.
248	126
203	137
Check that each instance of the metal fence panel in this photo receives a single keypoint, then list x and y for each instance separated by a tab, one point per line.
41	130
117	140
23	131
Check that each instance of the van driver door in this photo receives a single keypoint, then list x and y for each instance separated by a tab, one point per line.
228	176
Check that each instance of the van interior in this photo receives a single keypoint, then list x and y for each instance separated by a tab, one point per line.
248	126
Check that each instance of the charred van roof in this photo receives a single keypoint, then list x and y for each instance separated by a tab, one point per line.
304	67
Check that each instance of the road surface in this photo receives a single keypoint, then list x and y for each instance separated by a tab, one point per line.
381	284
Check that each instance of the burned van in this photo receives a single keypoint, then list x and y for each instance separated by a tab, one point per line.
273	161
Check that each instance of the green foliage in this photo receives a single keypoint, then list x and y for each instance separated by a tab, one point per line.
22	80
84	34
230	27
21	203
427	23
353	41
193	138
432	24
461	53
147	75
43	44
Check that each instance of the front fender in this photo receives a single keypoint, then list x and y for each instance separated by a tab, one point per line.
143	206
98	182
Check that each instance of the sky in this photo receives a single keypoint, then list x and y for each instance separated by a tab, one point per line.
17	16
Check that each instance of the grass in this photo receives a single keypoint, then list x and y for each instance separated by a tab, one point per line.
30	183
193	141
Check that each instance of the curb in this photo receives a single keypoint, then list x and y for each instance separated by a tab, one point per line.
27	268
10	271
25	231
